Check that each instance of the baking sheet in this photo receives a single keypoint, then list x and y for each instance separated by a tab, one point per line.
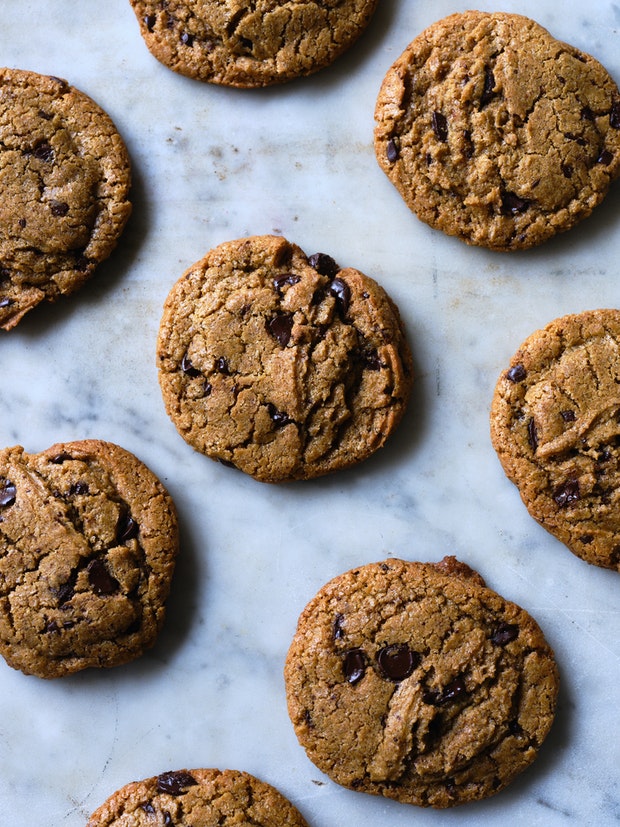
212	164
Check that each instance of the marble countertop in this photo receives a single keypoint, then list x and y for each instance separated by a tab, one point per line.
213	164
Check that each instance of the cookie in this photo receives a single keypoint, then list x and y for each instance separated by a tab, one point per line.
495	132
65	178
88	540
417	682
197	798
555	424
250	44
283	365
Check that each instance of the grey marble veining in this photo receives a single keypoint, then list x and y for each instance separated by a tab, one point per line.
213	164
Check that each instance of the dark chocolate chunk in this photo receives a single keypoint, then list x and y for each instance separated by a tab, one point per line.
451	692
392	151
605	158
489	86
79	488
614	114
59	208
187	39
175	783
567	493
440	126
338	627
513	204
280	419
8	493
505	633
568	416
126	528
397	662
285	278
43	152
221	366
587	114
58	459
100	579
6	302
354	665
187	367
517	373
281	327
149	21
65	592
341	290
532	435
324	264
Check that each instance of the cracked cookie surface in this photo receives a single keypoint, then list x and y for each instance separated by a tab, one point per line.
417	682
555	424
284	365
495	132
88	541
65	178
198	798
250	44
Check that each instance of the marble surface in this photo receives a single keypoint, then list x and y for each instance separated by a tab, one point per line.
212	164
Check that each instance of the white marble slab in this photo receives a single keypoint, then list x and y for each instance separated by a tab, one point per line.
214	164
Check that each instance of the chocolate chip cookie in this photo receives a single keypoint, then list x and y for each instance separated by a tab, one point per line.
197	798
88	540
250	44
495	132
65	178
555	424
283	365
417	682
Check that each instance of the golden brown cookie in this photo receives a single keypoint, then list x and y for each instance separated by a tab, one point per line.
250	43
417	682
555	424
88	540
495	132
197	798
284	365
65	178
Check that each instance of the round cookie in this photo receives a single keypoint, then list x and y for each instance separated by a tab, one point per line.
417	682
495	132
284	365
65	178
250	44
197	798
88	540
555	424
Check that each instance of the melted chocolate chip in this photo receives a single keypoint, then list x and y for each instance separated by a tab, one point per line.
338	629
614	114
451	692
342	292
221	366
8	493
280	327
148	808
504	634
324	264
605	158
149	22
79	488
392	151
187	367
567	493
280	419
65	592
59	208
370	358
532	435
587	114
489	86
516	374
568	416
354	665
100	579
513	204
126	528
285	278
397	662
439	123
175	783
43	152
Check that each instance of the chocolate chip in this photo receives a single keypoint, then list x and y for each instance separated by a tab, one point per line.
605	158
567	170
440	126
207	388
22	222
324	264
392	151
532	435
567	493
8	494
65	592
396	662
451	692
59	208
489	86
586	539
338	630
126	528
221	366
148	808
513	204
354	665
517	373
149	21
281	327
280	419
285	278
58	459
187	367
6	302
370	358
82	263
568	415
341	290
504	634
187	39
587	114
43	152
175	783
100	579
614	114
